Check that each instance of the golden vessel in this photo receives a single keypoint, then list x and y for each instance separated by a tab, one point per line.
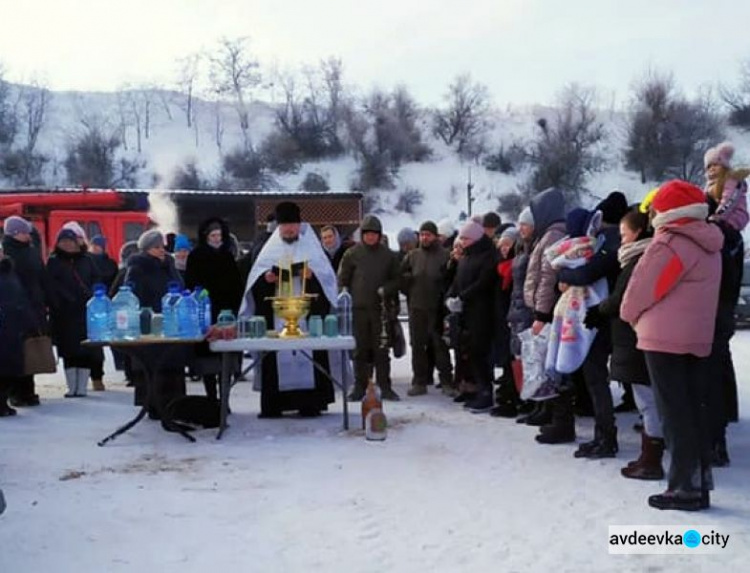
291	309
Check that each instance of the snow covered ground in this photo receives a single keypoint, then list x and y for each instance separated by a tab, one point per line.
448	491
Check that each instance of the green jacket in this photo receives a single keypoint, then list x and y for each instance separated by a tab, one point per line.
423	276
364	270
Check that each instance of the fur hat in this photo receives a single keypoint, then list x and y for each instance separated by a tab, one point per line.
471	230
371	224
15	225
677	194
526	217
406	235
150	239
720	155
613	207
428	227
445	227
491	220
288	212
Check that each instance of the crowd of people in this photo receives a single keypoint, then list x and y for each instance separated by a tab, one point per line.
639	294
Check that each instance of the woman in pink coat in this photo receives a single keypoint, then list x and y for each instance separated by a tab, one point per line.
671	303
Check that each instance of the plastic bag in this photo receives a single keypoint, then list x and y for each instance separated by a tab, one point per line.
536	383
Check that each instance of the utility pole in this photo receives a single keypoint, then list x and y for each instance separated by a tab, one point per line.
469	198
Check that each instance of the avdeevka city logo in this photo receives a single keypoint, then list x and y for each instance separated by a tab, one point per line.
691	538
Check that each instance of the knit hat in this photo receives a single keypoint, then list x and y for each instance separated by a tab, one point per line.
15	225
613	208
372	224
99	241
577	222
719	155
471	230
127	250
491	220
510	233
406	235
677	194
182	243
445	227
150	239
76	228
288	212
428	227
66	234
526	217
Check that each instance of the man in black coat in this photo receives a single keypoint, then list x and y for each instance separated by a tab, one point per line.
212	266
27	259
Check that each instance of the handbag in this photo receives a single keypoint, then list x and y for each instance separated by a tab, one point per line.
38	356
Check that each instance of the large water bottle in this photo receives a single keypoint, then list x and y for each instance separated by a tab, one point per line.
344	312
98	315
169	311
187	316
126	311
204	308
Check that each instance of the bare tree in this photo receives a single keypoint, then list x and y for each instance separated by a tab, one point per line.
465	118
738	98
187	78
35	99
234	74
8	114
668	133
567	149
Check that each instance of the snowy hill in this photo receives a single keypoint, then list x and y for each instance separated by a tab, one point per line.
167	142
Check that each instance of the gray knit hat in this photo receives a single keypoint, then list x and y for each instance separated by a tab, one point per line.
150	239
14	225
526	217
510	233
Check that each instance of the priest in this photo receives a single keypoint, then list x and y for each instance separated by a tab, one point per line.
287	380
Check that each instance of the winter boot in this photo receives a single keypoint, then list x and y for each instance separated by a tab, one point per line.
562	429
504	410
390	395
648	465
542	416
97	385
82	381
692	501
417	390
481	403
71	380
464	397
603	447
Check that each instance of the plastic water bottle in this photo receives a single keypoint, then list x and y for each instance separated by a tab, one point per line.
344	312
169	312
204	308
98	315
126	314
187	316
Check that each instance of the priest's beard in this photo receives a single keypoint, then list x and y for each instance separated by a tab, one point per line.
290	240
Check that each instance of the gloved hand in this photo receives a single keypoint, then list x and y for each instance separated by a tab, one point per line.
594	318
454	304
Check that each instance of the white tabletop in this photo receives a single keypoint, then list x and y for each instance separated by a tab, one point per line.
274	344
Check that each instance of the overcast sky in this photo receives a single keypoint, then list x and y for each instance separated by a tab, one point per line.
524	50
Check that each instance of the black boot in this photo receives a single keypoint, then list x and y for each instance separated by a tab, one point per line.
542	416
482	403
604	445
534	410
562	429
357	393
464	397
680	501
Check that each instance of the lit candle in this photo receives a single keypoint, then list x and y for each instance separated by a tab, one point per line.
304	276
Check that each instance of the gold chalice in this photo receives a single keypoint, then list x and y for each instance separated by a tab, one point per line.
291	309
